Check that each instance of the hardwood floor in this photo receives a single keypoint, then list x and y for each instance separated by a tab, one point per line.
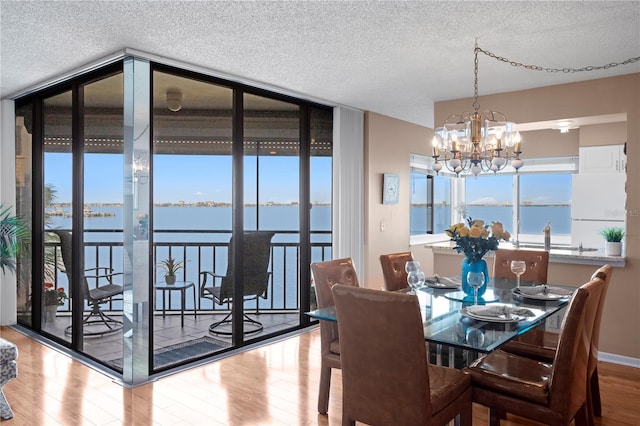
275	384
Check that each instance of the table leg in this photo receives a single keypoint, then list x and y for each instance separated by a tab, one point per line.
195	310
184	291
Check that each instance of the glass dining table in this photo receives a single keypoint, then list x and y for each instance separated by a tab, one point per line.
458	331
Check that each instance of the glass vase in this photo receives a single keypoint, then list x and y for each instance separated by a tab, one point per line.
478	266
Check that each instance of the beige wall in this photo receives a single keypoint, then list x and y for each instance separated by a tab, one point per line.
549	143
603	134
388	143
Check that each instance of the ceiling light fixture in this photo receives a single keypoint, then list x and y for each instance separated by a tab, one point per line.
476	142
565	125
174	99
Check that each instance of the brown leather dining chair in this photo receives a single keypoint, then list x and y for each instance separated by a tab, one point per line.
386	379
537	264
393	270
554	393
325	275
528	345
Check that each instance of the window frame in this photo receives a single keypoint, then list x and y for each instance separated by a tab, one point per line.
555	165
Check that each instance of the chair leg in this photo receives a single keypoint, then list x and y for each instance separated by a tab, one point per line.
466	416
8	372
257	326
594	385
99	318
494	416
347	422
5	409
582	416
325	385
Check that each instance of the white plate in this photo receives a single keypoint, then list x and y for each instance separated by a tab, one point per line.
441	283
553	293
475	312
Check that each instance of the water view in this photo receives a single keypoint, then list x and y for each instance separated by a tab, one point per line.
203	243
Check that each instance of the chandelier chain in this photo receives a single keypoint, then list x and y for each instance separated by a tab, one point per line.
476	105
554	70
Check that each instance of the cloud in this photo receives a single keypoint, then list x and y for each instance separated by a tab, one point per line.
484	200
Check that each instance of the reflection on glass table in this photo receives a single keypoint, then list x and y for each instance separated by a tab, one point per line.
447	321
489	296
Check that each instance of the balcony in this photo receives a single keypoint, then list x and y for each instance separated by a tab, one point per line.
279	311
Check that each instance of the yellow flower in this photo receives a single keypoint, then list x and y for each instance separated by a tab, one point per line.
475	232
475	239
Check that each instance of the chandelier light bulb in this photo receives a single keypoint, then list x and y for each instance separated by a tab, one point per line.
435	144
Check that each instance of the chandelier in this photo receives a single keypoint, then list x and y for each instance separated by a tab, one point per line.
476	142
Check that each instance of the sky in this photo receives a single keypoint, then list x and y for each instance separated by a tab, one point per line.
537	189
191	178
198	178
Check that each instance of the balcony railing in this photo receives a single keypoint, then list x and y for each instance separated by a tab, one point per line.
206	254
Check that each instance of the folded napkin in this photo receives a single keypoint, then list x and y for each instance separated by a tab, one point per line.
543	289
444	281
533	290
499	311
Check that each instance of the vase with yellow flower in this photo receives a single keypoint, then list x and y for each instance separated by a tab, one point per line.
475	239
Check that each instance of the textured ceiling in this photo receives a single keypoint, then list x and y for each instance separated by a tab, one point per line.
395	58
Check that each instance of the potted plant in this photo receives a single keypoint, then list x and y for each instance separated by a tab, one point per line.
613	237
14	237
170	267
53	297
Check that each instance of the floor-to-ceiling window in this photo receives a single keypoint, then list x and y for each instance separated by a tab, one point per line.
224	159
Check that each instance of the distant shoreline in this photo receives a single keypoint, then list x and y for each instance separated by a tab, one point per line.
198	204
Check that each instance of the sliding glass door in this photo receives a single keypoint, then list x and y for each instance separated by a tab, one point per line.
194	169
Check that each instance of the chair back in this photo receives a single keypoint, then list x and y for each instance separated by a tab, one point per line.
256	254
567	388
325	275
393	270
604	273
66	250
537	264
330	272
385	378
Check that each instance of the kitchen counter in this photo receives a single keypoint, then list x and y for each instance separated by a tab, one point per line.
556	254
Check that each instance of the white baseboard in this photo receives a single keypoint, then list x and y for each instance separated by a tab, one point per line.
619	359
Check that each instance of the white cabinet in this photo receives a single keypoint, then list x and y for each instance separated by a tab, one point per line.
602	159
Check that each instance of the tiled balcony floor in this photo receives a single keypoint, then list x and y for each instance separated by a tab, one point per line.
169	331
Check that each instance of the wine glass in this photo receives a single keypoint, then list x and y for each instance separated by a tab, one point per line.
421	279
412	266
475	280
518	267
415	279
